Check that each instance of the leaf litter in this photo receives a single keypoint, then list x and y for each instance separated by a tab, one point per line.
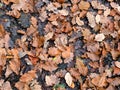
59	44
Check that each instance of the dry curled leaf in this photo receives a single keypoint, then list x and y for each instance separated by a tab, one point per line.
51	80
99	37
69	80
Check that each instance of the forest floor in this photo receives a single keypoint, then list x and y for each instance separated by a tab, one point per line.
59	45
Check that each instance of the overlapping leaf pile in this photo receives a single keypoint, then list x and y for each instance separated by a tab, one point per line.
59	44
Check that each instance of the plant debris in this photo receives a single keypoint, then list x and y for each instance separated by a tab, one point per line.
59	45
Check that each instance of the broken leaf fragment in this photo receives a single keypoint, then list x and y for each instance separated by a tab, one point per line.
69	80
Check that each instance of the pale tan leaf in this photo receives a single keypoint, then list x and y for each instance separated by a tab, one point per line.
51	80
79	22
117	64
63	12
91	19
69	80
99	37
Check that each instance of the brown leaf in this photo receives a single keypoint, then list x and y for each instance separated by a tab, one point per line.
2	31
74	72
83	13
114	81
61	1
110	87
53	51
20	85
116	71
8	71
24	5
79	22
8	1
38	41
115	54
48	66
100	81
3	54
35	85
81	67
94	64
66	27
61	41
67	53
27	77
74	8
93	56
6	86
15	13
51	80
84	5
69	80
33	59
